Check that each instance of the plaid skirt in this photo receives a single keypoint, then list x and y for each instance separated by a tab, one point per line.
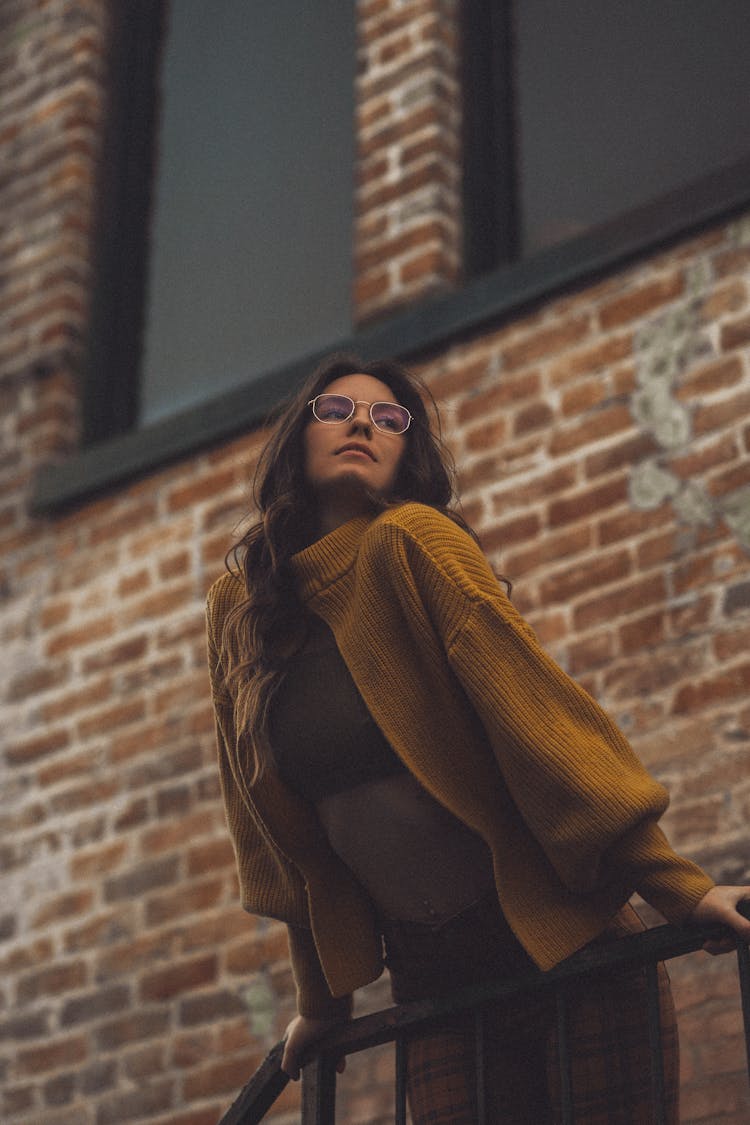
607	1031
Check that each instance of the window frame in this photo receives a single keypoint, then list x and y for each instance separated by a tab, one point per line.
509	289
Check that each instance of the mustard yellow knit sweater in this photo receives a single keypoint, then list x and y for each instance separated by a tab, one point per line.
486	721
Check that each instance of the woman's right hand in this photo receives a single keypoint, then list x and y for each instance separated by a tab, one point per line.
298	1037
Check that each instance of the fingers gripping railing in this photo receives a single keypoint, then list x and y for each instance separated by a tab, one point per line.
397	1024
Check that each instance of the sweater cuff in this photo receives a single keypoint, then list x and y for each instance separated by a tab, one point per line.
667	881
314	998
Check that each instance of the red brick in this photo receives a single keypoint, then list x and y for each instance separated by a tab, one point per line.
70	1052
693	617
50	981
223	1077
211	931
609	607
430	263
643	633
590	653
518	530
486	436
728	298
620	454
186	495
504	391
68	767
81	636
631	524
371	288
144	740
729	480
141	879
727	685
133	814
85	796
172	980
726	412
549	548
537	416
145	1062
64	706
545	342
731	261
183	760
37	681
638	302
386	249
710	378
133	954
158	604
700	570
735	334
135	583
175	566
67	905
459	377
600	424
550	627
264	946
583	397
93	1005
522	490
100	861
143	1100
643	676
208	1007
212	856
161	909
208	1116
584	504
31	749
118	524
594	359
567	583
704	456
179	833
101	930
485	470
37	951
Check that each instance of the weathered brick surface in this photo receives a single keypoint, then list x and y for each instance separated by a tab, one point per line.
602	441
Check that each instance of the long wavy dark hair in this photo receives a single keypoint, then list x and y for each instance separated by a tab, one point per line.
264	631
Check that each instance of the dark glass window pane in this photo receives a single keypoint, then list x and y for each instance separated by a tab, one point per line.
251	240
621	102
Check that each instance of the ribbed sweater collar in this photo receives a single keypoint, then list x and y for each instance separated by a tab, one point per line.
326	560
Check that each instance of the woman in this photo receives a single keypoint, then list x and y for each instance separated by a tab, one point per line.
404	768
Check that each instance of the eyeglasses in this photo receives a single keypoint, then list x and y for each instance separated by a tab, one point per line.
386	416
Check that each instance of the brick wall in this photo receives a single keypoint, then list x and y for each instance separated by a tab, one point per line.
603	443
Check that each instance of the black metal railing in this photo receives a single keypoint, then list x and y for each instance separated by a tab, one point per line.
396	1024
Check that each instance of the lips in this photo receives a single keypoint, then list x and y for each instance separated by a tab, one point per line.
356	447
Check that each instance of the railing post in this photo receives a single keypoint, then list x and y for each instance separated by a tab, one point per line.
319	1091
401	1065
563	1055
654	1042
743	967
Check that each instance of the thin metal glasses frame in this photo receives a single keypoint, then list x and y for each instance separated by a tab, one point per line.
360	402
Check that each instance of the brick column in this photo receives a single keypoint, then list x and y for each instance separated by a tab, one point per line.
407	230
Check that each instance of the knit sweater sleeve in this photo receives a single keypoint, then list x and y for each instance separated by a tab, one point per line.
575	779
269	884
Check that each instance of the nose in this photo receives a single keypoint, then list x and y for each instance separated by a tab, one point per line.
360	420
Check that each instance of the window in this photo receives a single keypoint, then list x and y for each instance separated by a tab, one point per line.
242	243
595	108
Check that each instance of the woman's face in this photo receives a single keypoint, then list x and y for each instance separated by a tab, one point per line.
342	460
